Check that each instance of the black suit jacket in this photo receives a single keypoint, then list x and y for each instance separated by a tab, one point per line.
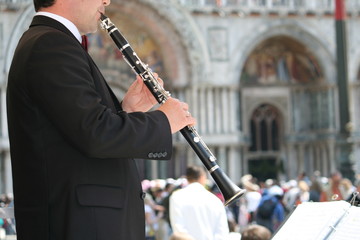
73	173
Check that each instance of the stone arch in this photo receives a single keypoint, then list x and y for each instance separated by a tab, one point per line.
189	38
297	32
179	42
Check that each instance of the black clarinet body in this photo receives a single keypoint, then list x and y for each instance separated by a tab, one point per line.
229	190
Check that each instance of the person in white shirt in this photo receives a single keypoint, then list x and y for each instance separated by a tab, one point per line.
196	211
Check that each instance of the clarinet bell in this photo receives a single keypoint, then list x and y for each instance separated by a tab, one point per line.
229	190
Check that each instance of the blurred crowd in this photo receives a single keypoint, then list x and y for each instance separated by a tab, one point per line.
266	204
7	225
258	214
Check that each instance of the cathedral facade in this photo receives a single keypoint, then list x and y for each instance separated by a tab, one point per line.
260	76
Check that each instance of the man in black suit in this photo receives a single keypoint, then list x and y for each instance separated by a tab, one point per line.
72	143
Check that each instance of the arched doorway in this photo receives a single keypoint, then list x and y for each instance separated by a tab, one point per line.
287	105
264	150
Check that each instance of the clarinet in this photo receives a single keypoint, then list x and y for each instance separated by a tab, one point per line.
229	190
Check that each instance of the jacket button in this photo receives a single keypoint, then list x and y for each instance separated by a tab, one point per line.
143	195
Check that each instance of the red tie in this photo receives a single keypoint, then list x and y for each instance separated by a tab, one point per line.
84	42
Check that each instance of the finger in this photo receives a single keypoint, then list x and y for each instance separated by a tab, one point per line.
138	78
191	121
185	106
133	85
161	82
136	85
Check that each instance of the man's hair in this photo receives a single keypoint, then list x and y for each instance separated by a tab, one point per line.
42	4
193	173
256	232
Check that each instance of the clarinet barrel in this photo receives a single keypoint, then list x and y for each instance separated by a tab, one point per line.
229	190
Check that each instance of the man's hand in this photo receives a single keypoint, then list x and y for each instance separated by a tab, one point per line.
177	114
138	98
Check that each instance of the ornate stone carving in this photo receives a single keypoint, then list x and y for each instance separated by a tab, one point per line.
185	26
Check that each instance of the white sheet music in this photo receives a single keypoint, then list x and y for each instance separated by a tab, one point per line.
312	221
349	227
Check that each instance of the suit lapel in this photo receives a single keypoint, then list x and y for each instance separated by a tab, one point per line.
109	97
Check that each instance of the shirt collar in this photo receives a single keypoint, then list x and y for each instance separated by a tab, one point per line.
195	185
67	23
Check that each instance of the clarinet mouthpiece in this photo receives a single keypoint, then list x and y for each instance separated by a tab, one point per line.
105	22
102	16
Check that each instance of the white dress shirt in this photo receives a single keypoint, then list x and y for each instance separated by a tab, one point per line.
198	212
253	199
67	23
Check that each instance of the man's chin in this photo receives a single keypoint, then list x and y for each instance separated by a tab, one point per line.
94	29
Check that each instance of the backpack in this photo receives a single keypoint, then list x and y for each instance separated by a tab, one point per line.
266	209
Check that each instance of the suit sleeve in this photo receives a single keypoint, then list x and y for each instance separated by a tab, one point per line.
63	86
